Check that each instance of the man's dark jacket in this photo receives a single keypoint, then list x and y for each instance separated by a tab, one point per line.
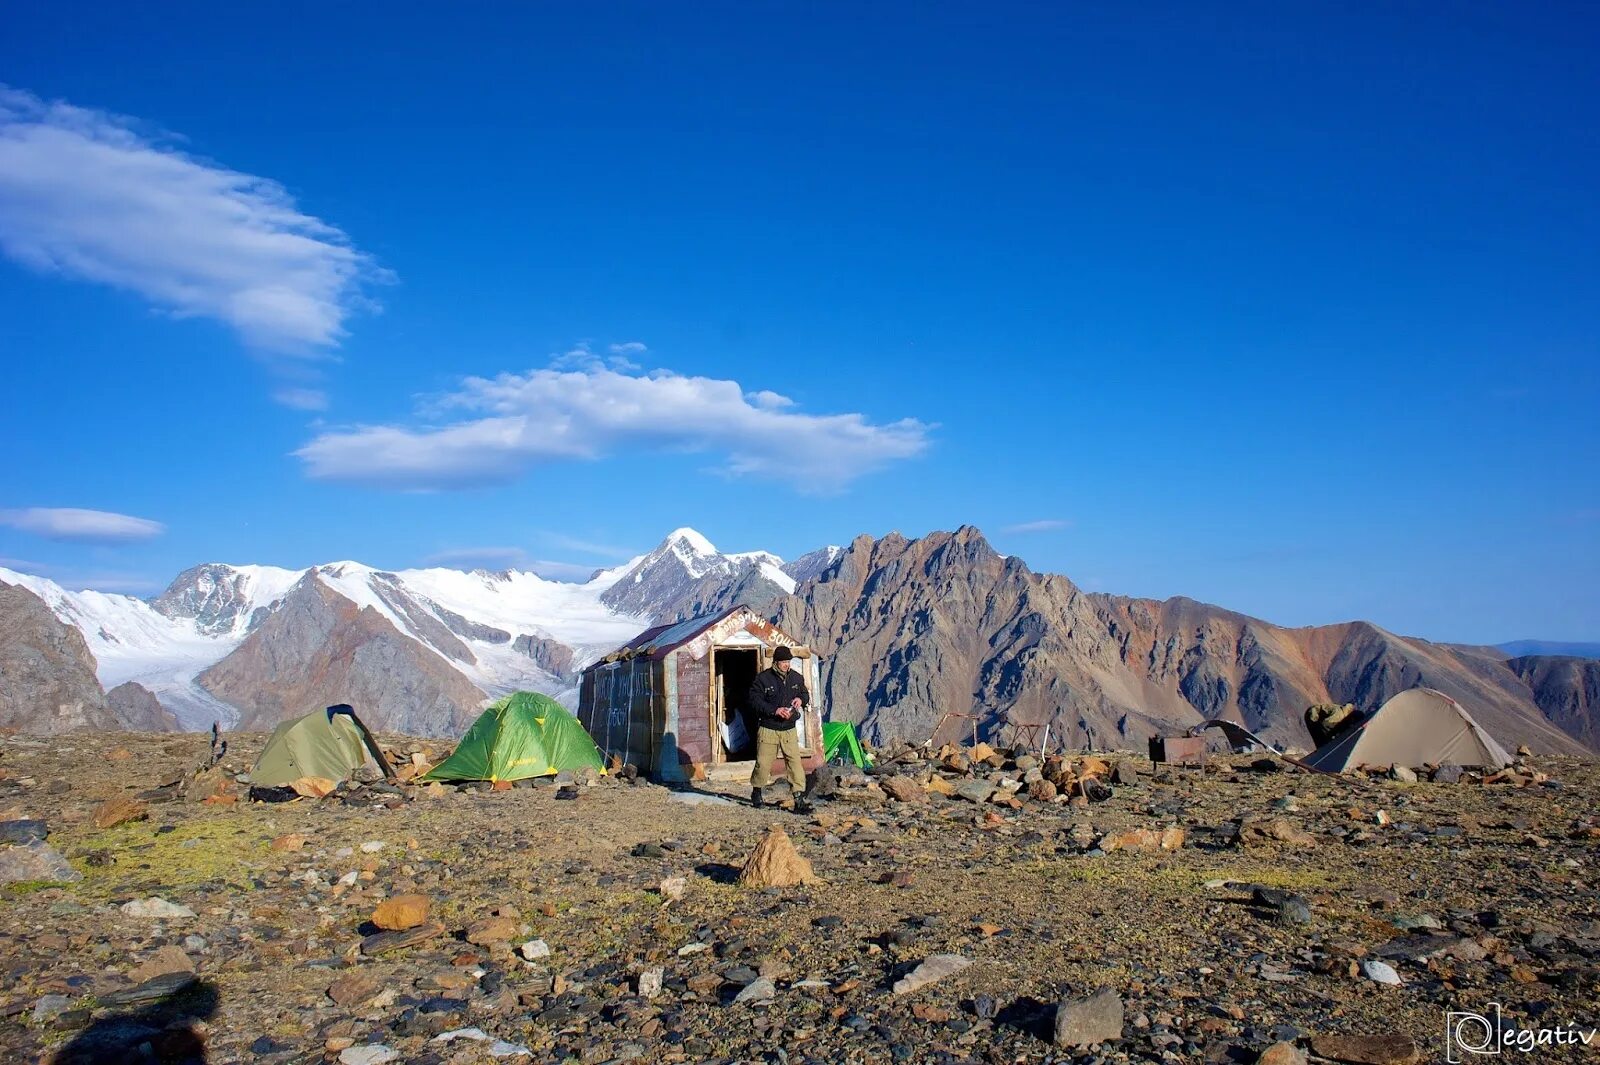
771	691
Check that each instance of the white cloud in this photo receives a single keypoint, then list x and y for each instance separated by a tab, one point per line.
1043	525
85	194
87	526
770	400
313	399
511	423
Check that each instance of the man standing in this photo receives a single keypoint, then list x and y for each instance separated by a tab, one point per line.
779	698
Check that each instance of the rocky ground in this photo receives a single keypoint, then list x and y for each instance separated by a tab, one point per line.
603	923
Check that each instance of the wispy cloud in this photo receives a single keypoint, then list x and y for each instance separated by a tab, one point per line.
1042	525
310	399
83	526
587	547
491	431
89	194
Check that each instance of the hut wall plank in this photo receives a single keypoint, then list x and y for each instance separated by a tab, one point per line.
694	708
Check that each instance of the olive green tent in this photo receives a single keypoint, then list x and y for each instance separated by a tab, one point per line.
840	736
522	735
331	744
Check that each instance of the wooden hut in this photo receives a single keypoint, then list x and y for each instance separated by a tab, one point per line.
672	700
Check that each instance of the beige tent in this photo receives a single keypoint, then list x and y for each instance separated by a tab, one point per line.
330	744
1415	728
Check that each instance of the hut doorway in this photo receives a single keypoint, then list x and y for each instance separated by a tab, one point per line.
733	730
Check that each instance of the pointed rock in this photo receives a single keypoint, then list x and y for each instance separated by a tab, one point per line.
936	967
775	863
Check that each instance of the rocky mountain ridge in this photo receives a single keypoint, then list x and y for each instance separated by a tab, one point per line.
911	630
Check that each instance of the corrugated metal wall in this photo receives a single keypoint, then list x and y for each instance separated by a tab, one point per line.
619	703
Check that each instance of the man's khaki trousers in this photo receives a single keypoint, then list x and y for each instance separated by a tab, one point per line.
770	743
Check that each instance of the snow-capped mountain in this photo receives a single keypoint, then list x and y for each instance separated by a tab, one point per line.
237	643
686	571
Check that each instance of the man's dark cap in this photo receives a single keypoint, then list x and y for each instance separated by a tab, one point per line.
782	654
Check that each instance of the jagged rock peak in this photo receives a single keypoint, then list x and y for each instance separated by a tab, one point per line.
221	598
47	674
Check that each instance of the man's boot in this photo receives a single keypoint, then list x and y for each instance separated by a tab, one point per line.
757	799
801	806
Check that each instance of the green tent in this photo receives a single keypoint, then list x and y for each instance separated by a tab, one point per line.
331	744
522	735
841	735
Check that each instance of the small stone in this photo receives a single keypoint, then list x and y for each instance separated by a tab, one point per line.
291	842
371	1054
372	846
649	982
756	991
672	888
49	1008
492	930
534	949
1087	1021
1420	923
401	912
936	967
120	811
1282	1054
1294	910
155	989
903	789
168	959
1256	833
1402	774
157	908
1144	839
384	942
354	988
1366	1049
1380	972
976	791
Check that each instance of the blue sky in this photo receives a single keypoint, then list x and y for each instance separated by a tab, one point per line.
1292	309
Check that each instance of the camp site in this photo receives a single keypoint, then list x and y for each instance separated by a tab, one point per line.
590	877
